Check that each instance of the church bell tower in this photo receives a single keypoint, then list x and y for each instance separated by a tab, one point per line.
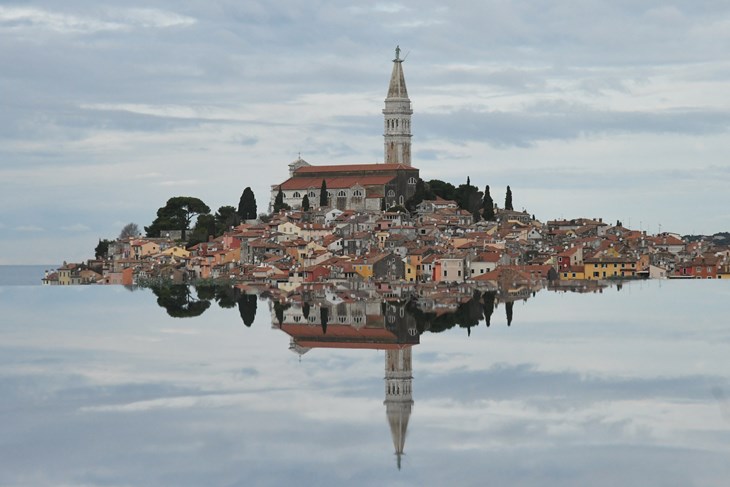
397	115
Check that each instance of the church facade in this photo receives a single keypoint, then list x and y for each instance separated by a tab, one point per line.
363	187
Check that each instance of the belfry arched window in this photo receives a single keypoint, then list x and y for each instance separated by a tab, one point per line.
391	194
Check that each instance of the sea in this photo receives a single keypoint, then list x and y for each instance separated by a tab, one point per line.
24	275
111	386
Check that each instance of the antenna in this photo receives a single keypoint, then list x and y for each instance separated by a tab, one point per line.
406	56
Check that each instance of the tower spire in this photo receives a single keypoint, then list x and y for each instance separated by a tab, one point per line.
397	114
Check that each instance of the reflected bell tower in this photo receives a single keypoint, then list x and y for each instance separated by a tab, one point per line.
398	395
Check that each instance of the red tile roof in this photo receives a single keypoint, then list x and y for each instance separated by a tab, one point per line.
351	168
341	182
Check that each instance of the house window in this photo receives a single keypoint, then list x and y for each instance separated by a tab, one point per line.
296	195
446	273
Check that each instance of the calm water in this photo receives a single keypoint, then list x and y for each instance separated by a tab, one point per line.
23	275
101	386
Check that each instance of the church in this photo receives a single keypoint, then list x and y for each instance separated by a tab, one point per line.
363	186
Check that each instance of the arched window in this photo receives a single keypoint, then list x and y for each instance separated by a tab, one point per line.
341	193
391	194
296	195
401	200
357	193
312	194
412	181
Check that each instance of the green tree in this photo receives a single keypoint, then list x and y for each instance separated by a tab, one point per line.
305	203
423	192
469	198
487	206
102	249
205	227
442	189
247	205
177	214
279	202
508	200
247	308
129	230
225	218
178	301
323	194
324	314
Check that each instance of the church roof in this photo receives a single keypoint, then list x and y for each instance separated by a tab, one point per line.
335	182
352	168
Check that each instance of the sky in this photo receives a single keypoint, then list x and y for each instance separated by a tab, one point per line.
614	109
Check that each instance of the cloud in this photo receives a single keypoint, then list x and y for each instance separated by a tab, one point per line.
563	121
78	227
16	18
28	17
29	229
179	182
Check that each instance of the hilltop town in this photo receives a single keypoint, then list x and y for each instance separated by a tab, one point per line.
382	223
438	244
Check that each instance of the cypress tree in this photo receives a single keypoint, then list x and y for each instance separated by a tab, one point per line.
323	194
279	202
305	203
508	200
247	205
487	205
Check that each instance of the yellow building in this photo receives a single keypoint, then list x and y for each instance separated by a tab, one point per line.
574	273
609	267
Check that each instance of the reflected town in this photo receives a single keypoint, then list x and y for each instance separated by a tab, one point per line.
383	317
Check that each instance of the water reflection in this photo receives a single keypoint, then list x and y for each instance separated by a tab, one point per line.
387	318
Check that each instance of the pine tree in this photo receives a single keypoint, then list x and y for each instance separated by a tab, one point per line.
508	200
487	205
305	203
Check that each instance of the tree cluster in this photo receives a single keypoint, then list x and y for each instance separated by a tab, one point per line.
467	197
